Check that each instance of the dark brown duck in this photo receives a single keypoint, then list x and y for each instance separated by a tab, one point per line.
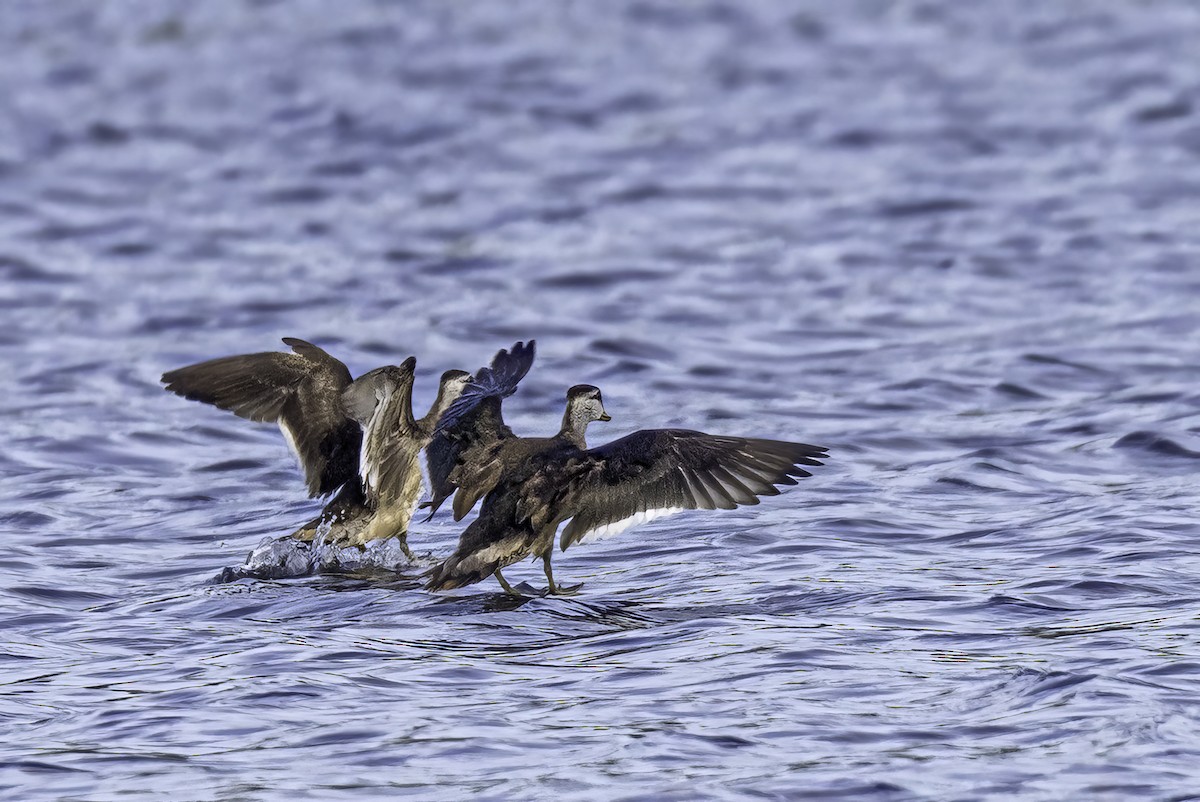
532	486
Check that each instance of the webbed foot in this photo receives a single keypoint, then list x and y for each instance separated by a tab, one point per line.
509	589
556	589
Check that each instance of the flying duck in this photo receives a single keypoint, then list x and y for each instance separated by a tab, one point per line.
532	486
357	435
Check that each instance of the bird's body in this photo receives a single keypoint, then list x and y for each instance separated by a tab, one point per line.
504	473
503	534
389	464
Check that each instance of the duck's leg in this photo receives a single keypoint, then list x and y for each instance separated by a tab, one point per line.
385	524
557	590
403	538
509	589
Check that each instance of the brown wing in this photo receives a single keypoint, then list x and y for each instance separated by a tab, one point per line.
657	471
300	391
381	401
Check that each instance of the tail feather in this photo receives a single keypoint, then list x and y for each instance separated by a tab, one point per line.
497	381
476	559
454	572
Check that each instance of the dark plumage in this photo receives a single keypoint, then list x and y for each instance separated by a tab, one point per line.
357	435
606	489
471	427
300	391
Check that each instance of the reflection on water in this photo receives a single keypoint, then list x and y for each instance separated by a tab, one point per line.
952	242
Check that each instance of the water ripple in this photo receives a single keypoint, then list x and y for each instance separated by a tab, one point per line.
950	242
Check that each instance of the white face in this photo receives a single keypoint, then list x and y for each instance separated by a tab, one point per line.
591	408
455	387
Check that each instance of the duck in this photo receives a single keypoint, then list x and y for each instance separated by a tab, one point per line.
354	437
471	426
533	486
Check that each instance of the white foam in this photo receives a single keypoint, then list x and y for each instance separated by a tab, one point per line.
387	555
288	557
277	558
321	536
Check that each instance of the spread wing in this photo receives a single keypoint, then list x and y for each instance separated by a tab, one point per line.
381	401
362	396
471	427
300	391
656	472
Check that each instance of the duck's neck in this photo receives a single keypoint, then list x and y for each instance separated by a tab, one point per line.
574	429
440	404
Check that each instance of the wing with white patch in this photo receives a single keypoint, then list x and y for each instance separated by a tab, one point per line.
617	527
300	391
657	472
389	467
381	400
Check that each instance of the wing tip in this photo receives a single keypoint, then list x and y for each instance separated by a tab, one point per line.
499	379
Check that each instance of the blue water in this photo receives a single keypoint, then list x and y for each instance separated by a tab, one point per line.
956	243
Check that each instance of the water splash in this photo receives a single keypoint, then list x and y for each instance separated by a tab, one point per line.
290	558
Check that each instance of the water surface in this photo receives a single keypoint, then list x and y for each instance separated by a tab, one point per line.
955	243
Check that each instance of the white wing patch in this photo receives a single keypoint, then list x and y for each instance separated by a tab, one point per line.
368	460
291	439
368	468
617	527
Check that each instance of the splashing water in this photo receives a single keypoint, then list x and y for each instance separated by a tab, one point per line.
289	558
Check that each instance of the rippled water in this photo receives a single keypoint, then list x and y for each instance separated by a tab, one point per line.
956	243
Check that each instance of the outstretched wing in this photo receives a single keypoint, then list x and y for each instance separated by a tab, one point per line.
300	391
656	472
472	426
381	401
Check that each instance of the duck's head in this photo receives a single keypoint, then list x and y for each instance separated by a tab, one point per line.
450	387
388	379
376	386
453	382
397	377
585	404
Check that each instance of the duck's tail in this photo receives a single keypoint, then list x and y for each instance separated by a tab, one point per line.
457	572
474	563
